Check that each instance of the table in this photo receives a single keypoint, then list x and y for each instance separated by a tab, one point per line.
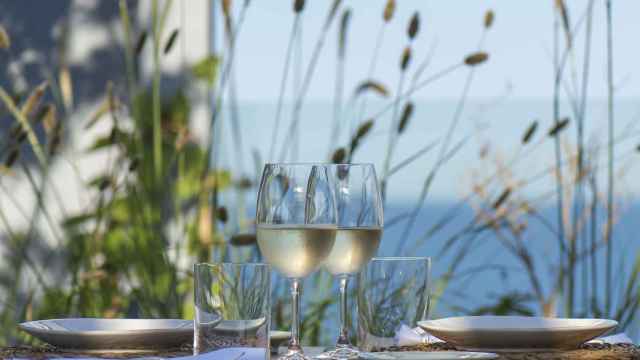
588	352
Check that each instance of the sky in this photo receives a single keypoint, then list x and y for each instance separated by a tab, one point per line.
507	93
520	44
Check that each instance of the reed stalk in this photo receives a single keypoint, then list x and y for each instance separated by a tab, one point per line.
444	148
26	126
306	82
579	195
339	81
557	148
404	96
298	69
283	84
387	15
157	126
393	136
610	162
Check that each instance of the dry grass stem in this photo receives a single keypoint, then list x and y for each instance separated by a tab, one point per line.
66	87
26	126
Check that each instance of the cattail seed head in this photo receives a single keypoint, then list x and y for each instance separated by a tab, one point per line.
373	85
414	26
531	130
488	19
33	100
476	58
142	39
406	115
339	155
12	157
502	198
389	9
298	6
364	129
406	58
172	39
558	127
5	40
223	214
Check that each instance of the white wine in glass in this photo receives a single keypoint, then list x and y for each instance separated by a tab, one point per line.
360	222
296	251
296	220
353	248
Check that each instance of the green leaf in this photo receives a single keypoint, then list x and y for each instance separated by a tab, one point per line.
76	220
120	212
114	137
100	181
206	69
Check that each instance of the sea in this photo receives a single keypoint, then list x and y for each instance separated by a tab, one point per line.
489	142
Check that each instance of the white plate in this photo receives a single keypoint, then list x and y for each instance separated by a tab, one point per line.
112	334
129	334
427	355
516	333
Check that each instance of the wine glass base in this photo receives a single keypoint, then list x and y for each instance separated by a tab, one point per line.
294	355
340	353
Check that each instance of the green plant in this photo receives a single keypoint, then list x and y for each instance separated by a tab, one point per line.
156	208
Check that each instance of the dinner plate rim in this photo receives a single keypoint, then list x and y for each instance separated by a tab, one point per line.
598	324
28	327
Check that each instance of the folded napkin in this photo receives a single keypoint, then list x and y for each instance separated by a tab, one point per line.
406	336
620	338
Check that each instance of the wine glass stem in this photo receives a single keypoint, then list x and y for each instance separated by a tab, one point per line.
343	336
294	343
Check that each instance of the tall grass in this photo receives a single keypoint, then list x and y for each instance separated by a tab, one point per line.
158	204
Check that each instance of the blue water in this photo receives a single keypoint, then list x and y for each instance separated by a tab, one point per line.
489	270
502	273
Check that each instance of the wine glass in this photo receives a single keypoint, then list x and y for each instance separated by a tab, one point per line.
296	221
360	222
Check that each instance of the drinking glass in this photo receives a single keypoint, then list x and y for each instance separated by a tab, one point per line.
296	225
360	221
393	296
232	308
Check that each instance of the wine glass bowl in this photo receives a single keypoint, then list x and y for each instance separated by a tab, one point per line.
360	222
296	221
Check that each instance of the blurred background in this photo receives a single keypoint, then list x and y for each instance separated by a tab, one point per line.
133	134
